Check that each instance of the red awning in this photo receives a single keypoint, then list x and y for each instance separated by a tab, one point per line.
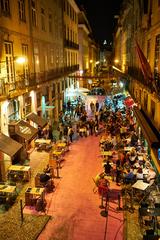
129	102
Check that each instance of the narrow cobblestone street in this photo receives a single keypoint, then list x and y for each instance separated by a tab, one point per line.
73	206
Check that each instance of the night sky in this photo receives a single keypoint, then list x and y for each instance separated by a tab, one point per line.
100	14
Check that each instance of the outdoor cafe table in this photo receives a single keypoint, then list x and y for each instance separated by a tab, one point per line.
43	141
61	144
26	170
32	194
7	193
106	153
7	189
128	149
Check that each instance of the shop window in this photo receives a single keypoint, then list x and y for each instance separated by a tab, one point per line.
38	99
13	110
27	106
152	109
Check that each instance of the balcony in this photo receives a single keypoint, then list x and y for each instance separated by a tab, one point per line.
70	44
137	74
24	83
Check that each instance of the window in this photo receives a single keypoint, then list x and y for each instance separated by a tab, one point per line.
25	65
50	23
148	49
34	14
157	58
145	100
9	61
21	9
152	109
145	5
43	19
5	7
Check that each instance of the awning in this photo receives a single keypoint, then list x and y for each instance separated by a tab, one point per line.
129	102
8	145
25	130
147	130
37	119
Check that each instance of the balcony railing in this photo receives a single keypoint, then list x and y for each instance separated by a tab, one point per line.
23	82
70	44
137	74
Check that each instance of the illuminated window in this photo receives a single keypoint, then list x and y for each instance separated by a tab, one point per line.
9	61
5	8
21	9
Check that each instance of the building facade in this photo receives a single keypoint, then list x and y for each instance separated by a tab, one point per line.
38	51
137	50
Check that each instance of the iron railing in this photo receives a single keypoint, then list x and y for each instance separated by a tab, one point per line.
23	82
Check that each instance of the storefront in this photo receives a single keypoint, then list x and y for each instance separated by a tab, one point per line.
13	110
34	118
23	133
11	148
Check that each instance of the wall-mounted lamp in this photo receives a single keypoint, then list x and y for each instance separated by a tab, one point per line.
20	60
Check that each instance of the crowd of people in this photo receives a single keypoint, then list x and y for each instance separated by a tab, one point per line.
126	159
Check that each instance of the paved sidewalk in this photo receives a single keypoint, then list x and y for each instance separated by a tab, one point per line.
74	207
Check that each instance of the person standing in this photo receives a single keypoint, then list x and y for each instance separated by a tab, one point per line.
70	133
97	106
92	106
91	126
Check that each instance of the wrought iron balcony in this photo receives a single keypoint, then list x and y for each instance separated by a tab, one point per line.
70	44
24	82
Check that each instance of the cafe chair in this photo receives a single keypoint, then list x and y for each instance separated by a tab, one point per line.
95	189
40	205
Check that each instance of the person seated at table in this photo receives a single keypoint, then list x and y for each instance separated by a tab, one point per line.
134	139
118	172
136	165
139	174
151	176
47	169
107	168
129	177
44	177
103	186
126	165
98	177
132	156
